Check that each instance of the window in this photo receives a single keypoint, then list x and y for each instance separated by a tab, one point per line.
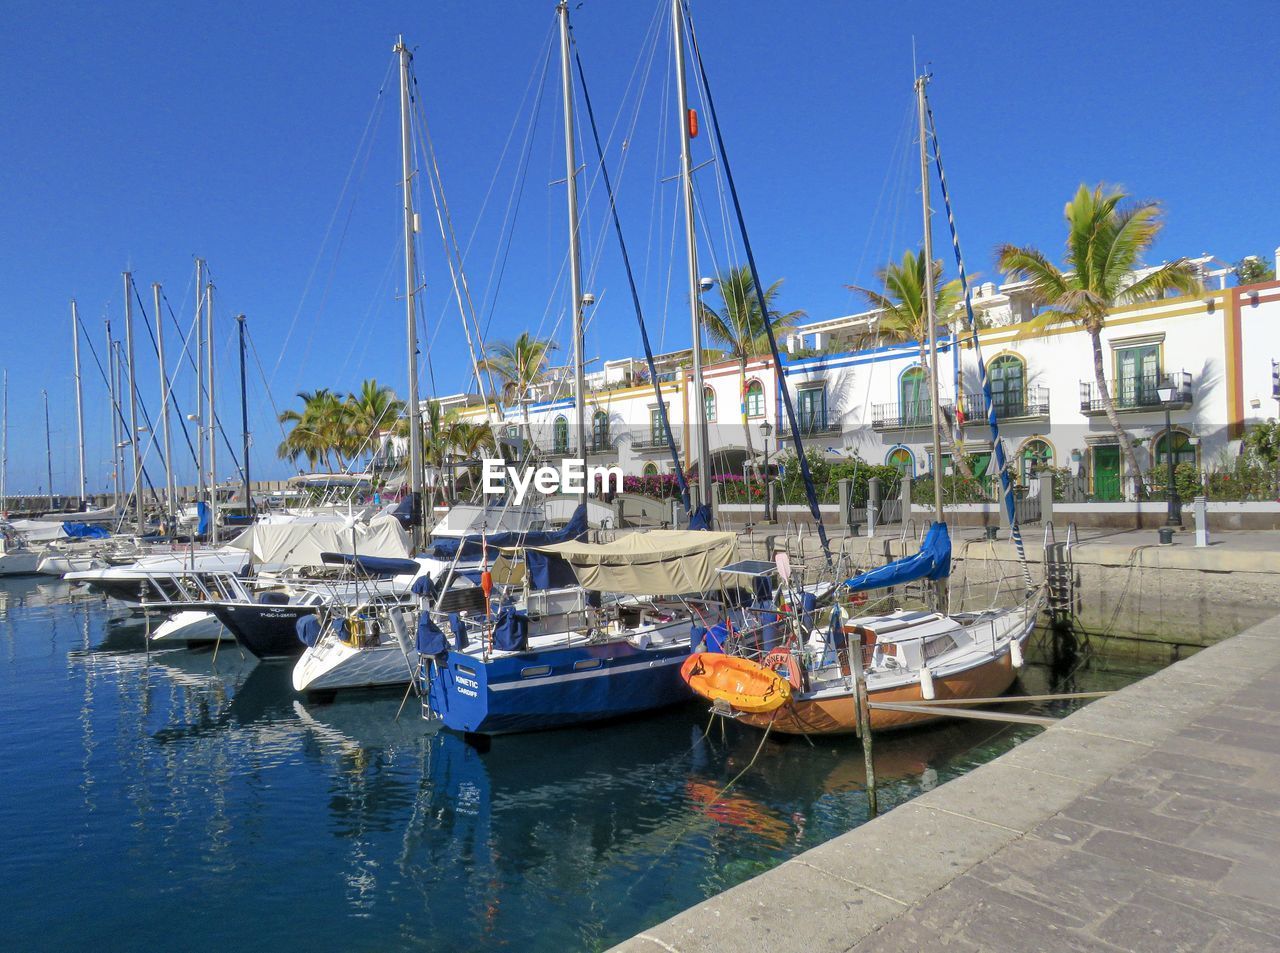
1184	450
560	435
900	457
1035	455
656	434
650	469
600	430
1008	377
709	403
812	409
1138	375
914	396
755	399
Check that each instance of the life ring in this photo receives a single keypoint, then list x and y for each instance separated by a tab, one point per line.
787	663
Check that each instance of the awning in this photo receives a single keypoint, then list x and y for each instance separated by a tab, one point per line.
661	562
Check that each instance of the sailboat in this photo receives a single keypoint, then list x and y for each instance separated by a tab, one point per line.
809	684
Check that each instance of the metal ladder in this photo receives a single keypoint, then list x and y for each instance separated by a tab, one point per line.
1060	574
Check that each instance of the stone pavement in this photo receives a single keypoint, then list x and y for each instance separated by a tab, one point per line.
1146	821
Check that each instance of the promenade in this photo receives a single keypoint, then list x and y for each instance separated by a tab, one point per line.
1146	821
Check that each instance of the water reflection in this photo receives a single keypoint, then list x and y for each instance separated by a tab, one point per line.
202	774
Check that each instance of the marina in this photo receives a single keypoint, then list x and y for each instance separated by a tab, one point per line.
201	776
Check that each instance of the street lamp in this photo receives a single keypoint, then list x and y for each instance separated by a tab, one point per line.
766	430
1167	391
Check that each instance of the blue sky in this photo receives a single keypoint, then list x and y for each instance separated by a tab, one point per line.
142	134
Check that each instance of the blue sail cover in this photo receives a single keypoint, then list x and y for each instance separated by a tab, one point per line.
372	565
471	547
202	518
84	531
933	561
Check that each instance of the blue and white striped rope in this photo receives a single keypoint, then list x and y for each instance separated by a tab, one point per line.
1006	483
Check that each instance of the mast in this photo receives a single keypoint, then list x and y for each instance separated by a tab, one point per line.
48	447
244	421
112	392
410	289
575	250
940	586
133	404
199	379
212	432
169	492
75	351
701	442
4	448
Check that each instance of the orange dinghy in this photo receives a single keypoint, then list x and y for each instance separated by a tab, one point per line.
744	685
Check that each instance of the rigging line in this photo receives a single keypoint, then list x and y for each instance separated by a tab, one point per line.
375	110
498	266
635	295
186	343
450	241
253	347
382	291
802	460
337	254
657	194
156	349
884	189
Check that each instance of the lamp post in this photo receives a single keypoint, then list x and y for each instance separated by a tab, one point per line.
766	430
1167	391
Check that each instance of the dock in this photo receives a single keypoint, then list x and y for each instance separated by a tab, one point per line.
1148	820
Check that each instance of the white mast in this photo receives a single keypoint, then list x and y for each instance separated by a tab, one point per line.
75	351
169	492
112	392
940	586
698	417
410	290
575	250
133	405
4	447
199	379
213	416
48	447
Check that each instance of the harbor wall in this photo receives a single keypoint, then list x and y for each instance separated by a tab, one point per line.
1157	603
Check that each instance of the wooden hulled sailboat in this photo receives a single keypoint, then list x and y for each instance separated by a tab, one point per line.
902	656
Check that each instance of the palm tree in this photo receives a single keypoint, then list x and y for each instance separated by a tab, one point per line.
373	410
740	327
447	438
902	308
1106	237
319	429
519	366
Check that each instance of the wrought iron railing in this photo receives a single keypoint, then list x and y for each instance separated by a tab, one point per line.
904	416
1029	402
1141	392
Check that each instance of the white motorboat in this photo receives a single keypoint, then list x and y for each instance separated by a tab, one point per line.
192	627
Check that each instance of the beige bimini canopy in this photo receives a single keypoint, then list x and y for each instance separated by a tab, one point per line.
661	562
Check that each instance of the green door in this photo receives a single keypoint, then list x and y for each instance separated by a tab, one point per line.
1106	474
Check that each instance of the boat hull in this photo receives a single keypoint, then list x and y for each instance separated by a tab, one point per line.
333	665
267	631
192	627
554	688
18	564
837	714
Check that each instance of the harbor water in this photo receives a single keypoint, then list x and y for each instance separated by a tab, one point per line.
191	800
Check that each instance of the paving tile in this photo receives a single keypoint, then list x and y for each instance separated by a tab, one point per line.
1131	818
1183	763
1008	795
1152	924
1075	754
777	913
913	852
1153	855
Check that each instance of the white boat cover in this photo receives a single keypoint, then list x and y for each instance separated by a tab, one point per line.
661	562
39	531
300	542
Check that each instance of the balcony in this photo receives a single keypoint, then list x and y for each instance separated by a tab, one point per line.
1029	404
913	415
648	440
1137	394
816	425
